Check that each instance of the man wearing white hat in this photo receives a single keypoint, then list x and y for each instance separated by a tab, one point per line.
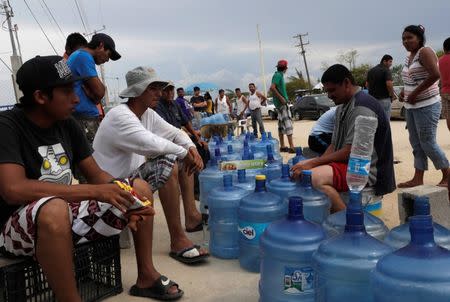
133	140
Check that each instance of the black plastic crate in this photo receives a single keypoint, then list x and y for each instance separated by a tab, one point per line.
97	271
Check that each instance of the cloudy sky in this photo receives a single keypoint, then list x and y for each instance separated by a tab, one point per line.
190	41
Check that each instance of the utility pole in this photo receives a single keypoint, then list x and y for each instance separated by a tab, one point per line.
302	52
16	60
102	68
261	61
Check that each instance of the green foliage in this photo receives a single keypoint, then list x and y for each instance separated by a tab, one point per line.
397	75
294	83
360	74
440	53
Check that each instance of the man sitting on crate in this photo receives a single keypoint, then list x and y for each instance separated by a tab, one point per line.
134	140
330	169
41	213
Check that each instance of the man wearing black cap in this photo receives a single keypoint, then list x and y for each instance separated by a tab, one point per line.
41	213
91	91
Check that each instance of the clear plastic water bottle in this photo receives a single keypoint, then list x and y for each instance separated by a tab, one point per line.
361	154
415	273
400	236
286	257
223	203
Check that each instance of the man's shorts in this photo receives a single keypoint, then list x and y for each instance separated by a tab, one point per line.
445	97
339	176
91	220
156	171
284	121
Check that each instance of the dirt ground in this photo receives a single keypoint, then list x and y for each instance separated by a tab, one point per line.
404	170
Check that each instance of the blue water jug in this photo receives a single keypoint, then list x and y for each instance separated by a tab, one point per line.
343	263
247	154
256	212
211	177
283	186
217	144
262	144
400	236
417	272
245	182
272	168
316	205
223	203
274	141
335	223
286	257
297	158
231	155
257	154
231	140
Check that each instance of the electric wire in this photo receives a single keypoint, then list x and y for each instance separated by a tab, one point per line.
39	24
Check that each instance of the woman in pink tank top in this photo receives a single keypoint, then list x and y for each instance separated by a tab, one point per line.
423	105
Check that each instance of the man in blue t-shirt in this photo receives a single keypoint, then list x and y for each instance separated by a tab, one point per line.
91	91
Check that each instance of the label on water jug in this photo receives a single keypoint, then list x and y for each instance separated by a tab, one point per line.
298	280
360	166
251	231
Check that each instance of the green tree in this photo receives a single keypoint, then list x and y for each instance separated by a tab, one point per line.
397	75
360	74
294	83
440	53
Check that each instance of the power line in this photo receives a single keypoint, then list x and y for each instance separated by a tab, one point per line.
53	17
81	16
35	19
52	25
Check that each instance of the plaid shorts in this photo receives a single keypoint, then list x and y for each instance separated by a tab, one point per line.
156	171
445	98
284	121
91	220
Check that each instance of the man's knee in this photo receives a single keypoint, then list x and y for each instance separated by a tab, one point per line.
142	188
54	217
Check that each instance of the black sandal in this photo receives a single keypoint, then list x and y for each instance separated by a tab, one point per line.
159	290
284	149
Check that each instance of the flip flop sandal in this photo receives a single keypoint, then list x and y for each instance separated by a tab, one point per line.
197	228
189	255
159	290
284	149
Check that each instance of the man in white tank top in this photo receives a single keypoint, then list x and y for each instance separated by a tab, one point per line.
255	101
222	103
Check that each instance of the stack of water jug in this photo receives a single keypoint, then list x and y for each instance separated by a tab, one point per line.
283	230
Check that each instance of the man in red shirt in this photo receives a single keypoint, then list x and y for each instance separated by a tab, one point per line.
444	69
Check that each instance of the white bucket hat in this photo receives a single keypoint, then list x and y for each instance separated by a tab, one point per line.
138	80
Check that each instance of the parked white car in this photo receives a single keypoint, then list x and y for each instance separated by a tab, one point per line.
269	109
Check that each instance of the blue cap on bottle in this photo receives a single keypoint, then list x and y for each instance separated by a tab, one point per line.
422	206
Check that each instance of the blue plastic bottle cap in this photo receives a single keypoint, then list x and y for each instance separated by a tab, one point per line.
298	151
295	207
241	174
422	206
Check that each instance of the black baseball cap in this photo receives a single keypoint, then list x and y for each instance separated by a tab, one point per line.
108	43
44	72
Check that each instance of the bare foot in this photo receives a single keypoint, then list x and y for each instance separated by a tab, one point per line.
185	243
409	184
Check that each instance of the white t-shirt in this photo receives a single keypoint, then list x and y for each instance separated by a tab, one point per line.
123	142
240	105
254	102
222	106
